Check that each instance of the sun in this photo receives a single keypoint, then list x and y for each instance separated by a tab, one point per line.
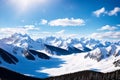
22	6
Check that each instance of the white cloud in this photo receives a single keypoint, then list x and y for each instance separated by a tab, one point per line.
60	32
107	27
114	11
99	12
5	32
106	35
43	21
30	27
67	22
102	11
118	24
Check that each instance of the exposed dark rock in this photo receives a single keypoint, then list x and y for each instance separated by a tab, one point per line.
95	57
74	50
28	55
55	50
59	51
117	63
7	57
86	49
117	53
112	51
97	54
39	54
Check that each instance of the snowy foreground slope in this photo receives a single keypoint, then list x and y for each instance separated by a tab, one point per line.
53	56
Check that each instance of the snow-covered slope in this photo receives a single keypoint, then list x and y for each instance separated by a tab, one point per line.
59	65
31	57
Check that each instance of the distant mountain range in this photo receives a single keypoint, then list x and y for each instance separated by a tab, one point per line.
53	56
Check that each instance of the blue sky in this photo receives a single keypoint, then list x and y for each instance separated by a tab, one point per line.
90	18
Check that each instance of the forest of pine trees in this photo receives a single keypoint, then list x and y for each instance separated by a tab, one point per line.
89	75
6	74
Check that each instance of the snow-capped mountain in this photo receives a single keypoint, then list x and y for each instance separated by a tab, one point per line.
52	56
23	41
104	52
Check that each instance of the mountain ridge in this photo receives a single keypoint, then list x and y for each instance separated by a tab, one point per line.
53	56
